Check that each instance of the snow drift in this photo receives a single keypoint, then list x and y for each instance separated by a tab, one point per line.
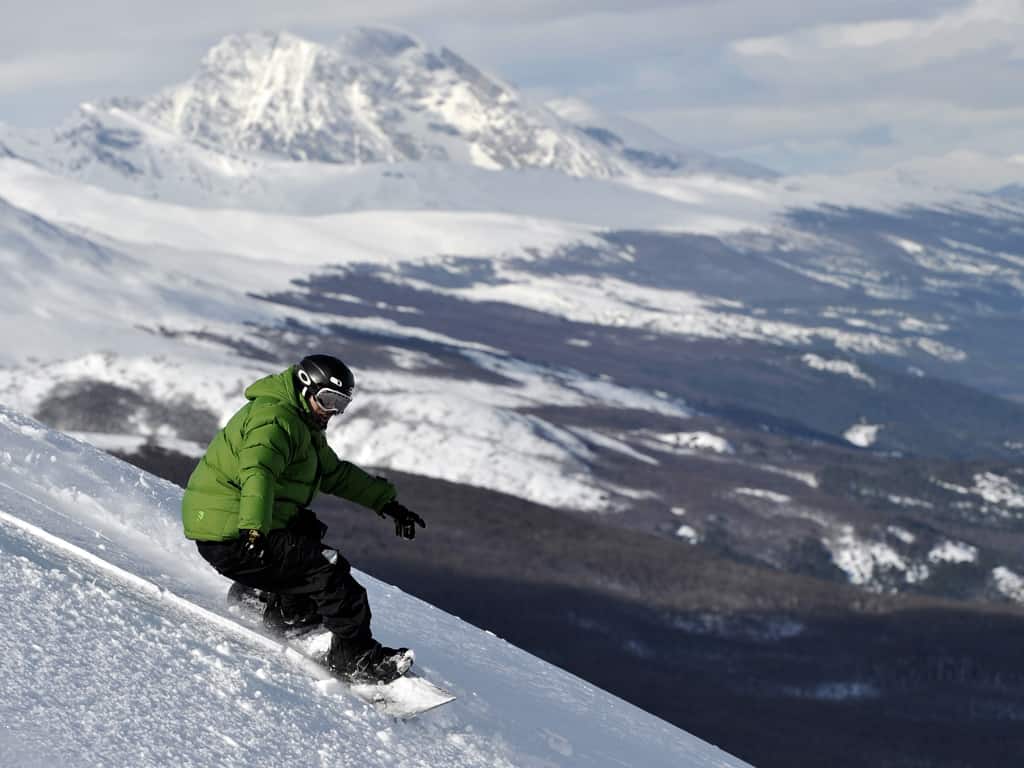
118	650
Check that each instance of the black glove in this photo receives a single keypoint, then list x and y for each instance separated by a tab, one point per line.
253	542
306	523
405	519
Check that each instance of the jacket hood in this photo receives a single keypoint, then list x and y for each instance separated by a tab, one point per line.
279	386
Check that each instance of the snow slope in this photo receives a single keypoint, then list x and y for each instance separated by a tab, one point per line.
117	650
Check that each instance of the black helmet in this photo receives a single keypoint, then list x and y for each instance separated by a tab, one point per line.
327	380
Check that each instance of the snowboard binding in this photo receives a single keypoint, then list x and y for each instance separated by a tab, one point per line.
282	617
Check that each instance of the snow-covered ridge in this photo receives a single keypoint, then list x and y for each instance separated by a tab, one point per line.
109	147
642	147
102	663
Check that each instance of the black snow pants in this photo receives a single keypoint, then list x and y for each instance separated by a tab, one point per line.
299	568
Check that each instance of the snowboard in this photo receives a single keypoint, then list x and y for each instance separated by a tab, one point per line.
407	697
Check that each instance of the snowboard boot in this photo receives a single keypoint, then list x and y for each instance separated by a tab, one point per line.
289	617
368	662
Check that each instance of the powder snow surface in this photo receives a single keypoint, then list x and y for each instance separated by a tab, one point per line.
117	651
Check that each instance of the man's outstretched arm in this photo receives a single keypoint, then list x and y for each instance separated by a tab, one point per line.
345	479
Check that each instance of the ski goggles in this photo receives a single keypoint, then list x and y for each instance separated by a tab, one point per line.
332	400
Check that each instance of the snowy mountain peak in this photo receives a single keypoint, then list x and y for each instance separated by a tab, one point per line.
234	48
255	91
376	96
376	42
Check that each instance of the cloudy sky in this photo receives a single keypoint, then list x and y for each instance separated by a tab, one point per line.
798	85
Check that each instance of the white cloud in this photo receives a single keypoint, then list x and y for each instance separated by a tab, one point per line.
765	46
43	68
871	34
875	92
823	133
891	44
818	118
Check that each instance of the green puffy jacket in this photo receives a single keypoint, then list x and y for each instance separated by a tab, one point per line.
265	464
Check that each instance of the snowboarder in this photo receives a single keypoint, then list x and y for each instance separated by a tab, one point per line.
247	508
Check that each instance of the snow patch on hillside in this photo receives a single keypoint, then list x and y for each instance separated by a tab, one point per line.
693	441
467	441
760	493
862	435
953	552
909	501
688	534
901	533
909	246
612	302
941	351
865	562
998	489
842	367
1008	583
806	478
615	445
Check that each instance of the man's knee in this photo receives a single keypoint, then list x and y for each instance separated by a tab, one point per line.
341	572
342	581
